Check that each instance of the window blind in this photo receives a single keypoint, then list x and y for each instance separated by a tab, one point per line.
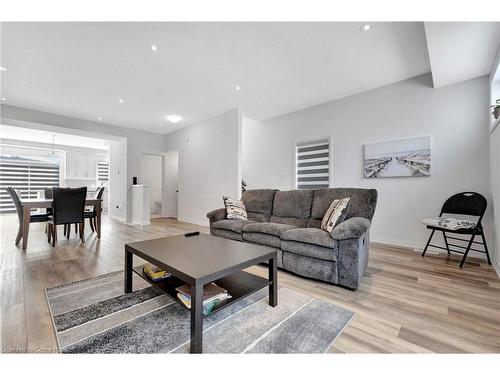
102	171
313	165
27	176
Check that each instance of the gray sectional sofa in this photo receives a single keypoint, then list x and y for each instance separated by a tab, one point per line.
290	221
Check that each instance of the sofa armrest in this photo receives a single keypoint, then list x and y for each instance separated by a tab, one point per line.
216	215
353	240
352	228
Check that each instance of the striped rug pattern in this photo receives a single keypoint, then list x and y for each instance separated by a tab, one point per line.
95	316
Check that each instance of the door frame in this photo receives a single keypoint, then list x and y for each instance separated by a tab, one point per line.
162	155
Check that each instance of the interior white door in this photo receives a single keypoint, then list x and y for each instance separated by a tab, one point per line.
171	184
152	176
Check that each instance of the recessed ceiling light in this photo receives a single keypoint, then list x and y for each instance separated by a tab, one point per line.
154	47
174	119
238	88
99	118
120	101
4	99
365	27
2	69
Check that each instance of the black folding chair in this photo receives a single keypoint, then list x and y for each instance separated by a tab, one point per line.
470	204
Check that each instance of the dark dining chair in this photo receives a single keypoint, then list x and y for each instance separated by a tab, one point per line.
92	214
68	207
47	193
469	204
34	218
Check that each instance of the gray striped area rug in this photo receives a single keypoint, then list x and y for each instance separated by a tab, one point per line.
95	316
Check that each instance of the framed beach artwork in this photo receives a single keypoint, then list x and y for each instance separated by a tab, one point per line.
408	157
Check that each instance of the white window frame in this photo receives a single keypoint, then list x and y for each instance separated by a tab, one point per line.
306	142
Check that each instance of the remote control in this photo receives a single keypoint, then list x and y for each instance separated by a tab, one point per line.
189	234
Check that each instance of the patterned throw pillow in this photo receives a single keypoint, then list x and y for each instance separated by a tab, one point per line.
235	209
335	214
450	223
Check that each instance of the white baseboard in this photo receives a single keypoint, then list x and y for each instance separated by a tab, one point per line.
117	218
396	243
193	221
420	247
496	267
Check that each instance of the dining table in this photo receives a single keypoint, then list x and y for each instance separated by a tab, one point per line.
33	203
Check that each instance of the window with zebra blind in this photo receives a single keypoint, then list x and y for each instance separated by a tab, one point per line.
28	176
102	171
312	164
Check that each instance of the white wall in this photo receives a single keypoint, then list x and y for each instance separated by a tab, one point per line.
136	143
454	116
151	175
495	188
119	190
495	164
209	166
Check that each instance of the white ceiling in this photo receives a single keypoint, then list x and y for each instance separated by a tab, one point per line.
82	69
459	51
42	136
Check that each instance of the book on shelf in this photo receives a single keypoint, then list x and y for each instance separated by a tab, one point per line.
212	294
155	273
209	290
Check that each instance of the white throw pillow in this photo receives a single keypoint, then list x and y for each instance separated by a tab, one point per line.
335	214
235	209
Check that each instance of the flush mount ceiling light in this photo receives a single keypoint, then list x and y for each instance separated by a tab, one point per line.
2	69
4	99
174	119
365	27
238	88
154	47
120	101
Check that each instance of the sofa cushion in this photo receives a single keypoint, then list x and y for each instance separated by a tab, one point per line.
293	203
362	203
227	234
309	235
311	267
310	250
260	218
234	225
299	223
262	239
259	201
274	229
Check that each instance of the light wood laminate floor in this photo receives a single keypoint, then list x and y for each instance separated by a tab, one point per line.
405	304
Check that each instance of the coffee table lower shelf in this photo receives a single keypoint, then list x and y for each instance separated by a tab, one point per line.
239	285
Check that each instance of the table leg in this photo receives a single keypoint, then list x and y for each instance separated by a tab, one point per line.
273	278
128	272
98	226
26	224
196	318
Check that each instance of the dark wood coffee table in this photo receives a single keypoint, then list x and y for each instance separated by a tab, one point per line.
199	260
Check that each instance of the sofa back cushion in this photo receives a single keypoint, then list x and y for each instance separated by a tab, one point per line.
259	204
292	207
362	203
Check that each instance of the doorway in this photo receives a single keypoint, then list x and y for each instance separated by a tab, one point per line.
171	184
152	176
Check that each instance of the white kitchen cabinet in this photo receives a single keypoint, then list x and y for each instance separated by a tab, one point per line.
90	166
80	166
